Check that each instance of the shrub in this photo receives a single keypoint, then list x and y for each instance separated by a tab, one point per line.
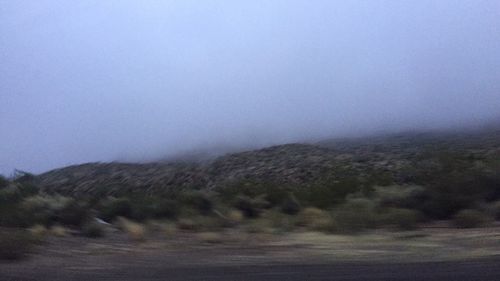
92	230
328	192
290	206
38	231
273	194
316	219
58	231
134	230
235	216
403	219
356	215
44	209
470	218
15	244
73	213
165	209
198	200
250	208
121	207
395	195
278	221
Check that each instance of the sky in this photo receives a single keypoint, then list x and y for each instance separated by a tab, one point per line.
86	81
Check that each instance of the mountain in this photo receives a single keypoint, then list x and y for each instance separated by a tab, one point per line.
397	158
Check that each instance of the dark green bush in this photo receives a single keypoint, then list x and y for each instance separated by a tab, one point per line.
403	219
291	205
470	218
15	243
250	208
329	192
165	209
48	210
274	194
73	213
197	200
120	207
356	215
92	230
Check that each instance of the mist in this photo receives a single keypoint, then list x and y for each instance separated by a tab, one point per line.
86	81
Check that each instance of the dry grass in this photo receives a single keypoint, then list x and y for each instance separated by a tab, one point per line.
59	231
210	237
316	219
235	216
38	231
136	231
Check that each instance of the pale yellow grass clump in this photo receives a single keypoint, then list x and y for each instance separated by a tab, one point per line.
235	216
59	231
210	237
316	219
38	231
135	231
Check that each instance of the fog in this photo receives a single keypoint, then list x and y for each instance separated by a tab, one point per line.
97	80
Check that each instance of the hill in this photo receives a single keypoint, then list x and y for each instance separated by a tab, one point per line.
389	159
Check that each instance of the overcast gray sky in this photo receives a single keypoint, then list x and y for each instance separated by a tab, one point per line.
105	80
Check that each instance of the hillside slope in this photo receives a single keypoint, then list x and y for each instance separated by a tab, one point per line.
394	158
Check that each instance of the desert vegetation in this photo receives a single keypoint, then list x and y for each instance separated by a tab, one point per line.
330	188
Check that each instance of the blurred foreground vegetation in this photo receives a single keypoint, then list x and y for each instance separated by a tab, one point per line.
460	184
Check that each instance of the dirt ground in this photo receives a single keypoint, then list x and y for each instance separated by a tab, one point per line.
426	254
